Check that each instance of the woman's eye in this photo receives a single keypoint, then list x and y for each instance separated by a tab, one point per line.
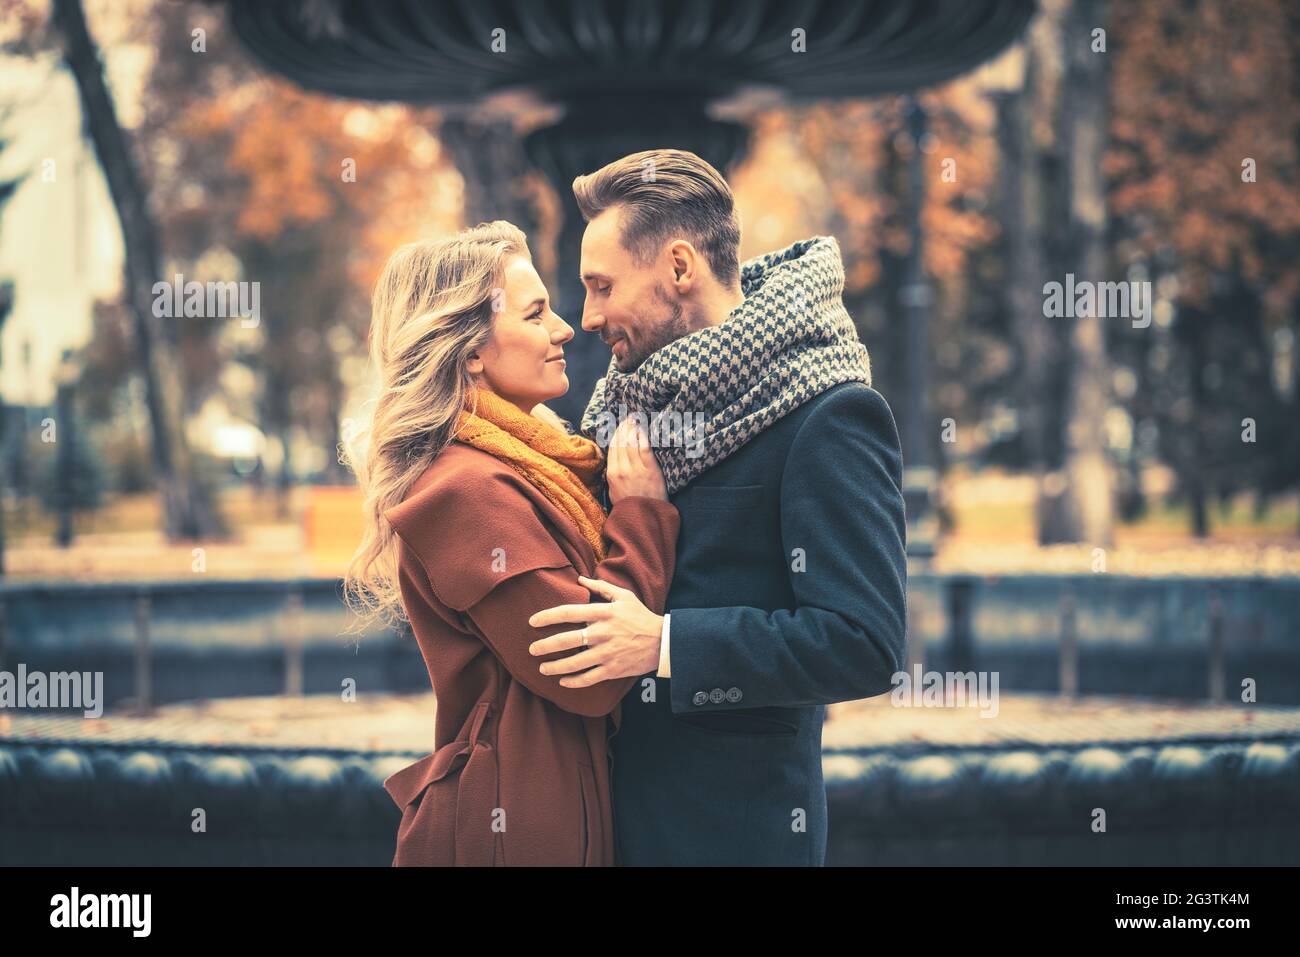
536	315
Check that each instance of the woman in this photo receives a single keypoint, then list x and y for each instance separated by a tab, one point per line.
478	515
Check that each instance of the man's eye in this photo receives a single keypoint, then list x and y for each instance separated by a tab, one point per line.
603	291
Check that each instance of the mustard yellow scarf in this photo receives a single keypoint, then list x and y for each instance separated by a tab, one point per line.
567	469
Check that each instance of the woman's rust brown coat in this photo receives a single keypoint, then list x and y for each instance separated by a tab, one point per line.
520	771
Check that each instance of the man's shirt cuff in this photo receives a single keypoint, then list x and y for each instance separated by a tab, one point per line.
663	651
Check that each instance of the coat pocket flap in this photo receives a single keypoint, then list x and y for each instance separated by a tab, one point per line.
407	784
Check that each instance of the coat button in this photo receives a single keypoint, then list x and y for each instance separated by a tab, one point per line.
700	697
717	696
733	695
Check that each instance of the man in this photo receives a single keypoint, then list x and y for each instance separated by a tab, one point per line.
790	588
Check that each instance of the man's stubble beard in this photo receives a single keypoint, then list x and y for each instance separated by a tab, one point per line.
671	326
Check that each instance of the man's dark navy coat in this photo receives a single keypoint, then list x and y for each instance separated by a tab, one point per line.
789	594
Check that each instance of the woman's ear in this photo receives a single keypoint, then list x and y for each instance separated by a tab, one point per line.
474	365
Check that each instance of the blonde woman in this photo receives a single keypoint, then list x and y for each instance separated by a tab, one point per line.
479	514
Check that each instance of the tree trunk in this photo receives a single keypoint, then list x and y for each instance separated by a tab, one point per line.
1022	218
187	511
1089	494
284	480
1190	443
1030	124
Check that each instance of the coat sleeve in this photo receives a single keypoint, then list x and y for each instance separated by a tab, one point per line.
489	553
842	505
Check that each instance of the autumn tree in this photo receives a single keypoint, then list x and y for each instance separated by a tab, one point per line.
187	508
306	195
862	153
1203	166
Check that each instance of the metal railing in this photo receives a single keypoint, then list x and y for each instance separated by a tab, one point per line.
1039	630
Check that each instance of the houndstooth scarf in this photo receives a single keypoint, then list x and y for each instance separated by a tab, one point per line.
702	397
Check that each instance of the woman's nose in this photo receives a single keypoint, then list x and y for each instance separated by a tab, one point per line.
562	333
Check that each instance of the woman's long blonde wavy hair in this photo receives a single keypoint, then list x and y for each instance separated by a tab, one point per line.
433	306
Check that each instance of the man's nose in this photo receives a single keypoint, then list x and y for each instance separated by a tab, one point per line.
592	319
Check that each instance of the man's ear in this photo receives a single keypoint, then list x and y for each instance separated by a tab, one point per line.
686	265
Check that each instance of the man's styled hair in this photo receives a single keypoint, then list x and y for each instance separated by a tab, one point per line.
669	194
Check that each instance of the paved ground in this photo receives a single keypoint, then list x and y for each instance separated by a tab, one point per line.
1048	719
391	722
